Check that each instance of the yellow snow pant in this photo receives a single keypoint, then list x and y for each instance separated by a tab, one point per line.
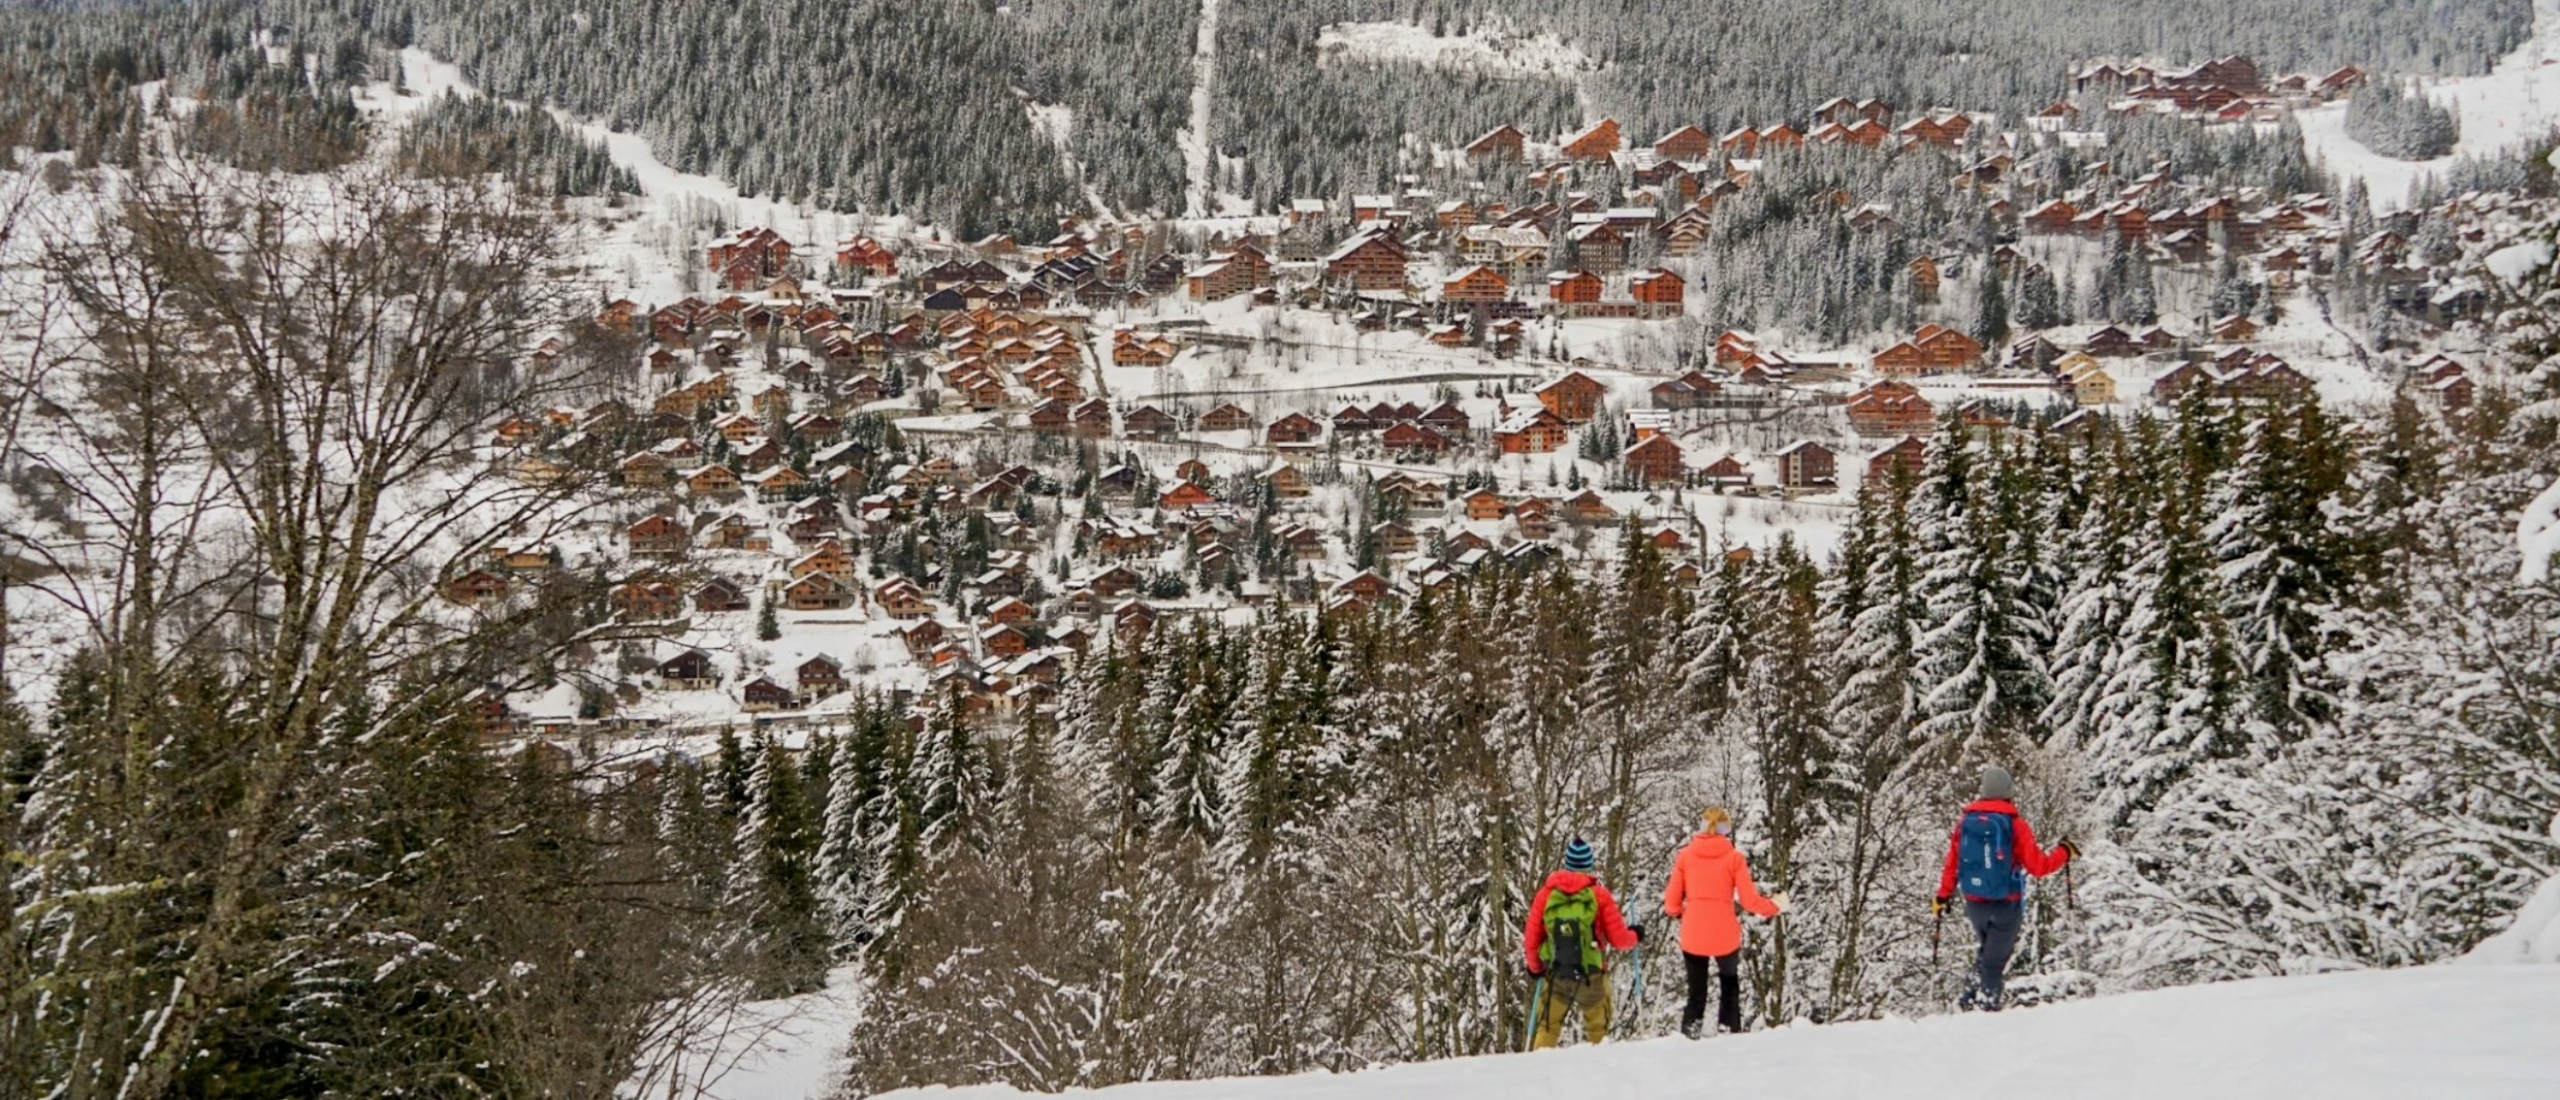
1590	996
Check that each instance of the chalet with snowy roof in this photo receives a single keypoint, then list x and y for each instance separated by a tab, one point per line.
1184	495
646	470
1574	398
1688	143
1726	472
1594	144
1287	482
646	600
1518	251
719	595
1150	422
1599	246
1657	293
1890	408
1654	460
1502	143
2110	342
1130	349
1091	419
1226	418
1904	459
1573	288
2089	383
1535	429
856	253
690	670
474	588
748	258
1408	438
1294	430
1474	285
1447	420
714	481
1369	261
1239	270
1692	390
658	536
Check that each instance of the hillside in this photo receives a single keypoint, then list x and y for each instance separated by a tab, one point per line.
947	112
2475	1032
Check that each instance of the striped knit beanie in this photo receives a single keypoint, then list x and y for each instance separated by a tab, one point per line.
1579	857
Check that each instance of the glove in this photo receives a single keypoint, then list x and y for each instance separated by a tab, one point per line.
1533	972
1937	907
1638	929
1779	899
2069	850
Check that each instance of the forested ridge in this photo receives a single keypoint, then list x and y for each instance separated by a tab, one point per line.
920	109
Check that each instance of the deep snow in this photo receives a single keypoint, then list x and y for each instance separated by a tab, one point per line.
2473	1032
2515	102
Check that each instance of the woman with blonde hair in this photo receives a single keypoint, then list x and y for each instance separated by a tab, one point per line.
1707	878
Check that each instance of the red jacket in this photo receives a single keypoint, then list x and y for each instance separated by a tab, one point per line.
1610	929
2022	840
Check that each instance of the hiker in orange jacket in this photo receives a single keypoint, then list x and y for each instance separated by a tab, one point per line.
1706	878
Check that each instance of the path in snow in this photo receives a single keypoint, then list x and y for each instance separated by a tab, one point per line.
2467	1032
1199	159
2517	101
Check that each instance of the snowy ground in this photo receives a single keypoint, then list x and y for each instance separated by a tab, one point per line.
788	1049
2476	1033
1488	50
2517	101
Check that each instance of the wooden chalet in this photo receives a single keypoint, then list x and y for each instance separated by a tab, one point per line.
1654	460
1226	418
1890	408
1594	144
1574	398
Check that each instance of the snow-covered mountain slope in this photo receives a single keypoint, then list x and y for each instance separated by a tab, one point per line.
2516	102
2473	1032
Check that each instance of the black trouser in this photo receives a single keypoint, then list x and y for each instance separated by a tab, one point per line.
1995	923
1729	1011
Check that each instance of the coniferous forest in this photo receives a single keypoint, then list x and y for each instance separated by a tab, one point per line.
923	109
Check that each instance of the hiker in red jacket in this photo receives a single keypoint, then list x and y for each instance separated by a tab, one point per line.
1990	854
1572	920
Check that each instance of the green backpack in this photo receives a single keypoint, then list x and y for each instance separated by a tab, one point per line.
1569	918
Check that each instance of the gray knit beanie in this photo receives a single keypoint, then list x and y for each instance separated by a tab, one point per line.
1997	784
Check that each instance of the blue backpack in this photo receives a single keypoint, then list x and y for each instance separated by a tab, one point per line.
1986	868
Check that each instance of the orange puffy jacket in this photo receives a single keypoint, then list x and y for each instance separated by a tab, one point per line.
1706	878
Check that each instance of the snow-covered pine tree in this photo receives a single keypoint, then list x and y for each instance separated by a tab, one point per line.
772	880
1981	656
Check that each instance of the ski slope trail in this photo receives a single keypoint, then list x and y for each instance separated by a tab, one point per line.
2469	1032
2515	102
1199	156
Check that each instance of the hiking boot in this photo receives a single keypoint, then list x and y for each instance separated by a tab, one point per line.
1692	1029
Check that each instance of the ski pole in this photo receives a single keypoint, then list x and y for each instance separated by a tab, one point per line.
1935	930
1537	1008
1635	1000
